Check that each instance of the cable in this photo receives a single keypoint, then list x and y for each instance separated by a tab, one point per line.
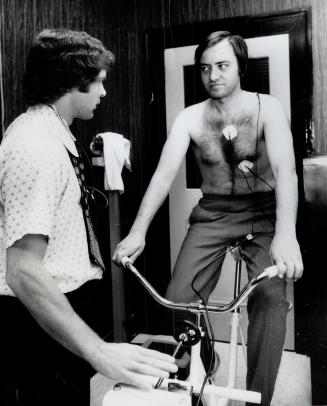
248	237
211	338
233	163
92	189
89	173
260	178
211	342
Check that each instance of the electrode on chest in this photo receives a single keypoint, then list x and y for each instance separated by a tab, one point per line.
230	132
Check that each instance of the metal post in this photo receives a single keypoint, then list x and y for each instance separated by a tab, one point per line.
117	281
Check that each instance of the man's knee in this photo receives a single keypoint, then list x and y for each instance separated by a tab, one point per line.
177	292
270	296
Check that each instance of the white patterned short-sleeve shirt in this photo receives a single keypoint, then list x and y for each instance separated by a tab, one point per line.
40	194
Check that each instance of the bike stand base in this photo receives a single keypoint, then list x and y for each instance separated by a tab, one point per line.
130	396
176	393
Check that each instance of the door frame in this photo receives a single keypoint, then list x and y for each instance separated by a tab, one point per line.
297	24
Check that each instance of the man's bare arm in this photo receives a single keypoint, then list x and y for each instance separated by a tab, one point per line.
285	249
170	161
34	286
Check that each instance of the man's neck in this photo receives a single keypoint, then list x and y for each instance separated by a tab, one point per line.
226	105
64	108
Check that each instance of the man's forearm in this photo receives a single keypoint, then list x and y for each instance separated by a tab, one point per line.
152	201
286	202
51	309
124	363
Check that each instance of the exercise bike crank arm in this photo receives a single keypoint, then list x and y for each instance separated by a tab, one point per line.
198	307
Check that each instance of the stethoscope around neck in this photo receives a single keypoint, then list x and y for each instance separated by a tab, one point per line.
99	199
92	191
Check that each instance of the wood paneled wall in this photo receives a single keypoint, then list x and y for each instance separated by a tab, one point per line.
133	18
142	15
146	14
121	25
22	20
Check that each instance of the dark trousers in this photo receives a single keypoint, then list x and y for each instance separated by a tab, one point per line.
216	222
34	369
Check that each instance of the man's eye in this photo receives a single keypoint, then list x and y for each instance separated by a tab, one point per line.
223	66
205	68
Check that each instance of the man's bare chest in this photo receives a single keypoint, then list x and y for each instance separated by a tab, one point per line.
220	141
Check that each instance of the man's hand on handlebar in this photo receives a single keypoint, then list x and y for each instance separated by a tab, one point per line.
131	364
131	246
285	252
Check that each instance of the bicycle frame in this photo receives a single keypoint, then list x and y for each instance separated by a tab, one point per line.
183	390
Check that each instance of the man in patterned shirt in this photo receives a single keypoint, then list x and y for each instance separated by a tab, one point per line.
50	290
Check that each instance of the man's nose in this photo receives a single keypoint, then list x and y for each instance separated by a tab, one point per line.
103	91
214	73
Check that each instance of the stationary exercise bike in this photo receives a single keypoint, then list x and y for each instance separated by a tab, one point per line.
196	387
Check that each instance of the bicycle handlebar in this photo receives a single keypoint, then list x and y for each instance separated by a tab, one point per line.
198	307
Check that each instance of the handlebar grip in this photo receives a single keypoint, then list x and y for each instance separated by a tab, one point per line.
125	260
270	272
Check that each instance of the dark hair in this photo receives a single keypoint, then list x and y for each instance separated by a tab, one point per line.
237	42
60	60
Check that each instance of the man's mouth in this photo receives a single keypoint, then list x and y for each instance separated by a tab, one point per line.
216	85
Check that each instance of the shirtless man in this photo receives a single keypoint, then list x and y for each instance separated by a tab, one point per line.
243	146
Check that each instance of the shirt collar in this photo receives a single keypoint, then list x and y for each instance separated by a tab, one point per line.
65	136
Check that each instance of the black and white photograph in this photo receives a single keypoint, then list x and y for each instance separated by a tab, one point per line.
163	202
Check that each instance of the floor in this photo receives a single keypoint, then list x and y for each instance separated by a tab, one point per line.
293	387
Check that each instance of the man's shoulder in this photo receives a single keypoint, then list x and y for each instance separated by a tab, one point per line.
271	107
252	98
196	108
268	100
33	125
30	136
193	113
189	120
33	119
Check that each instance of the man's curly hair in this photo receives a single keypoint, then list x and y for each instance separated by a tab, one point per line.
61	60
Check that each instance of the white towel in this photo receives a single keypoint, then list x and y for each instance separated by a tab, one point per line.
116	152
